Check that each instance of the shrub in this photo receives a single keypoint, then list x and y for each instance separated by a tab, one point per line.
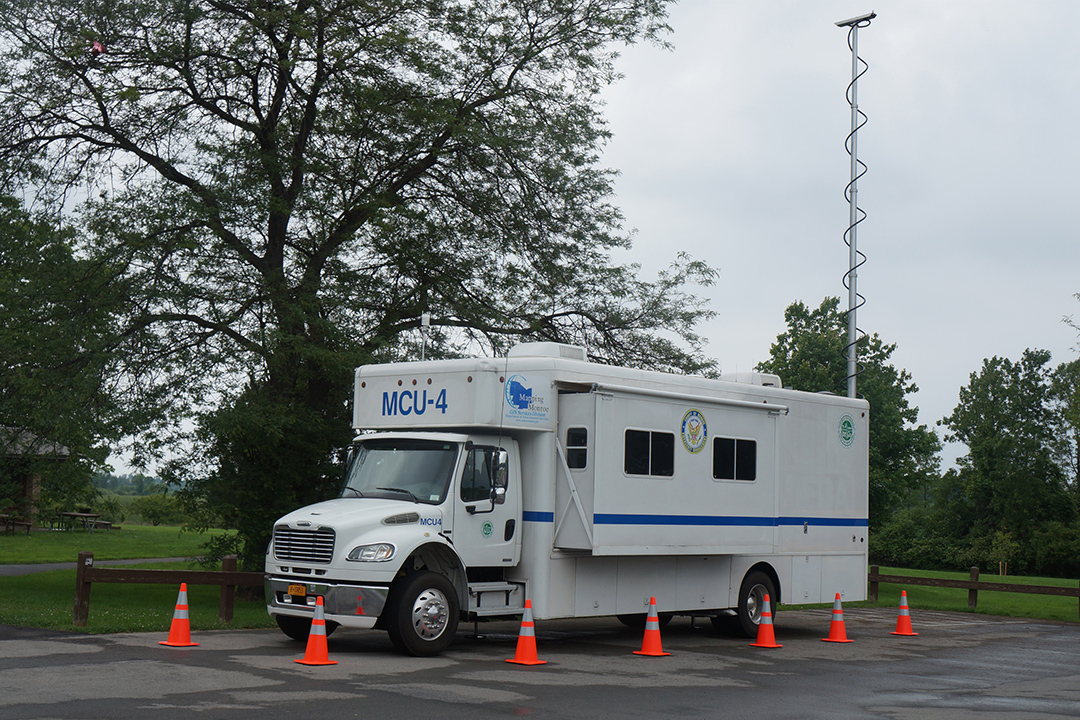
158	510
908	540
1057	550
109	507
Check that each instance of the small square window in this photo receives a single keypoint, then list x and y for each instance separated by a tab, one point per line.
649	453
734	459
577	451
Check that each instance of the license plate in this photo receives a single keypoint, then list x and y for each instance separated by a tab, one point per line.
298	590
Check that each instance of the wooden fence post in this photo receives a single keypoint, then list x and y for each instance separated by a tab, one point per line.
228	592
872	593
82	589
973	594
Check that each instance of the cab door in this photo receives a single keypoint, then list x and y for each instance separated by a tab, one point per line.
487	504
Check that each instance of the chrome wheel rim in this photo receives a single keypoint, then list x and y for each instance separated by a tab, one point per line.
430	614
755	602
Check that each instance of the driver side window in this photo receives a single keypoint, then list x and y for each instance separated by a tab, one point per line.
482	466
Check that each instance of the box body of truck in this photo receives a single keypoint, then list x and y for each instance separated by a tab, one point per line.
586	488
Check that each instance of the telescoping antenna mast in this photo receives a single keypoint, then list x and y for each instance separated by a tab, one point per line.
856	215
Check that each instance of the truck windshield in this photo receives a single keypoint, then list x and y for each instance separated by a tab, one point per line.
411	470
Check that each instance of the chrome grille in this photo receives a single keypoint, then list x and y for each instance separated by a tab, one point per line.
311	546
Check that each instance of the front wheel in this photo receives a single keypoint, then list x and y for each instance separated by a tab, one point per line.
423	614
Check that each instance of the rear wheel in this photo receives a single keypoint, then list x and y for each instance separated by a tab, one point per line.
423	614
755	586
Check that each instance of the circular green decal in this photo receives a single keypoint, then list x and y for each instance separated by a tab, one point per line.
847	430
486	529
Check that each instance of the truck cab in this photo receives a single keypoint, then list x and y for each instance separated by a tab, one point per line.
423	527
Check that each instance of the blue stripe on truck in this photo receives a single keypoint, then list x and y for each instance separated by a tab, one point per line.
706	520
533	516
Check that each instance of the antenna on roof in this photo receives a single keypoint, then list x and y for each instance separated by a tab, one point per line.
425	325
851	192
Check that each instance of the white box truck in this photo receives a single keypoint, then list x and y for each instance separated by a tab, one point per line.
474	484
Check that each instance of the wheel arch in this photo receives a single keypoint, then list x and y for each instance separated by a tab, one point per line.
769	570
441	559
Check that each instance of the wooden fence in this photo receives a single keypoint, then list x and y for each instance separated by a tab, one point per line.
973	585
228	578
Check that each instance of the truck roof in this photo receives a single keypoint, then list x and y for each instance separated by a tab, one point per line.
464	392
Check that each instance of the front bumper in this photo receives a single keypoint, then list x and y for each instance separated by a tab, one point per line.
356	606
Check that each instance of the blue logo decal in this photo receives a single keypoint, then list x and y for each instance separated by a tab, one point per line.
524	403
517	395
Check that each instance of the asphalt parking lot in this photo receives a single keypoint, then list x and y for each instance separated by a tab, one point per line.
959	667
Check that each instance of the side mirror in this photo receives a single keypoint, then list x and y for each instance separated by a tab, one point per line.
498	495
347	458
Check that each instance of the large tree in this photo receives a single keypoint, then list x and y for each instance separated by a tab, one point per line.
58	411
1010	481
810	355
1065	416
289	185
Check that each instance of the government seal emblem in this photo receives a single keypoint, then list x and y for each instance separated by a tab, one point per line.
694	431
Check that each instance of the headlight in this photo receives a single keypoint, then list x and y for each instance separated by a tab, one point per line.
378	552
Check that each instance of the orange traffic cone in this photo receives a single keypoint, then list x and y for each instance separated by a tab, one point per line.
651	644
316	653
837	633
526	644
180	630
903	620
765	636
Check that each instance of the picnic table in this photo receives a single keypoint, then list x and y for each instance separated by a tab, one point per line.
87	519
13	523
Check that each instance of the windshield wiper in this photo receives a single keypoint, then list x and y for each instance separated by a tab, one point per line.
353	490
401	490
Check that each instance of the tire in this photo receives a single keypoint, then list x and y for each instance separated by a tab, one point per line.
637	620
755	586
298	628
423	614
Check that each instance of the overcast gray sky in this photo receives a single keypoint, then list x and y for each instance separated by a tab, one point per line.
731	148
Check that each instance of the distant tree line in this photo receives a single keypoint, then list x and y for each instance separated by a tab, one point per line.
131	484
148	499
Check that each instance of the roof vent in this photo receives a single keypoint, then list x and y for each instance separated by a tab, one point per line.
548	349
754	378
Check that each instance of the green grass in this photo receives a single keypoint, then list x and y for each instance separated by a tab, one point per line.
46	600
1045	607
130	542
